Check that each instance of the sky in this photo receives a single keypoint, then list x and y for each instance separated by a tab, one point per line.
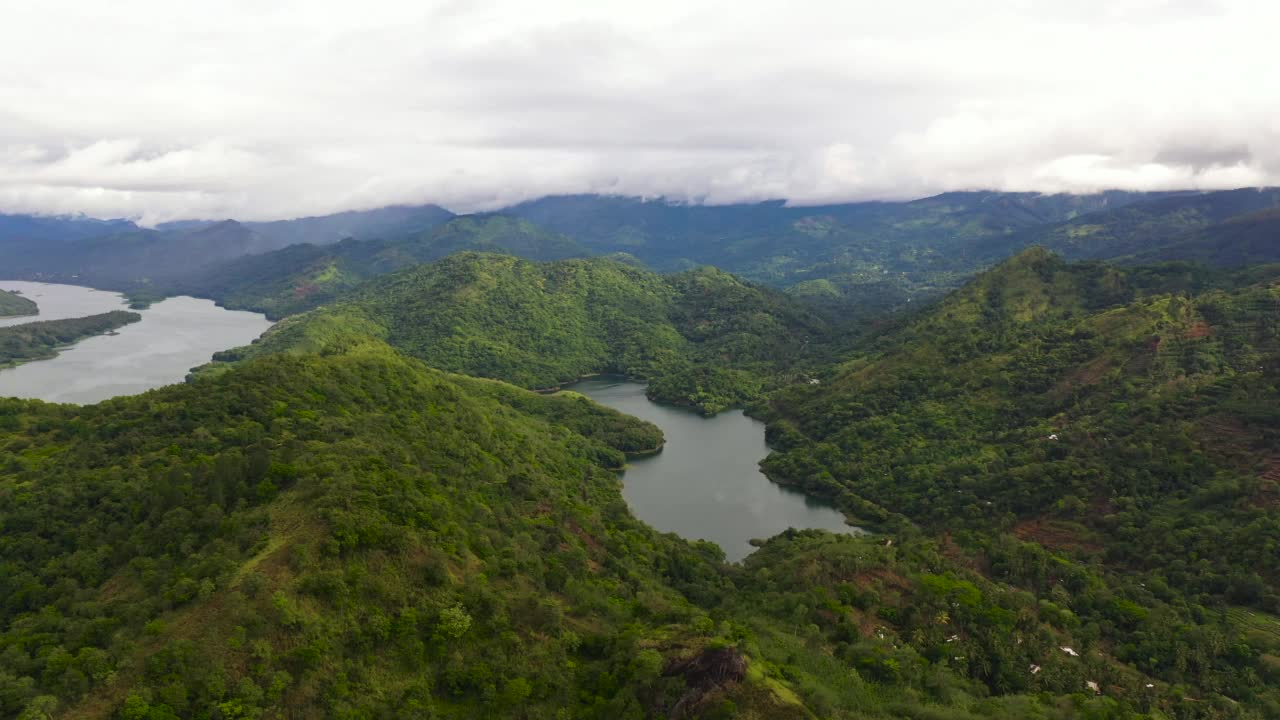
261	109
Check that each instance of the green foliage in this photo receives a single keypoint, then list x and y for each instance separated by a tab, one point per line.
303	276
424	544
12	303
40	340
703	338
1101	438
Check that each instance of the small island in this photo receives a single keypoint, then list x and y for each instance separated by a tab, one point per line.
42	340
13	304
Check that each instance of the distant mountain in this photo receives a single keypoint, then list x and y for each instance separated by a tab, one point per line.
381	223
137	257
29	228
703	337
878	254
1244	240
1140	228
120	255
300	277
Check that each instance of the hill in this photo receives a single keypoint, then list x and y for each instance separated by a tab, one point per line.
13	304
43	339
300	277
1086	433
357	535
703	337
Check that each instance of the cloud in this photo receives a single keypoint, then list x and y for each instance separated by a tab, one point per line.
163	110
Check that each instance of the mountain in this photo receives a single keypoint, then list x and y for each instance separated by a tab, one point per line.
56	228
702	337
120	255
1142	229
871	256
1243	240
387	222
138	257
300	277
13	304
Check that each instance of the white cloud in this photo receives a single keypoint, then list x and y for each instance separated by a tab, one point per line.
161	109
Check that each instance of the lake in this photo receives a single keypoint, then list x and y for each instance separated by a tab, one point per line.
706	483
173	336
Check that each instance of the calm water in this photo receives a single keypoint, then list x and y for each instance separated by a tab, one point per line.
173	336
706	483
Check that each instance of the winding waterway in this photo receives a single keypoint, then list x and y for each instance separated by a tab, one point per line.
173	336
706	483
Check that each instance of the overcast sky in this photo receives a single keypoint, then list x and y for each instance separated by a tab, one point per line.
255	109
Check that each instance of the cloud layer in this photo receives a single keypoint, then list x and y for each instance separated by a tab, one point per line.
161	110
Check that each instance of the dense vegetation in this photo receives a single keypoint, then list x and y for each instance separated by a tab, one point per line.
357	535
703	338
1244	240
859	259
40	340
1154	230
1105	439
12	304
1073	470
301	277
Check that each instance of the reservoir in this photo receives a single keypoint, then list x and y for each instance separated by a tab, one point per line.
706	483
173	336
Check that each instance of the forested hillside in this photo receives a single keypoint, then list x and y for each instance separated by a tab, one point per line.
301	277
1152	230
357	535
40	340
703	338
1107	439
1243	240
12	304
871	256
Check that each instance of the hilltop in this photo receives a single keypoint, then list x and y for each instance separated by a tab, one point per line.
703	338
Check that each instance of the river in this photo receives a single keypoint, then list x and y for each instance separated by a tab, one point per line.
706	483
173	336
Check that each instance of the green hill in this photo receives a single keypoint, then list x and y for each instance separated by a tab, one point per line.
1104	438
300	277
13	304
357	535
702	337
40	340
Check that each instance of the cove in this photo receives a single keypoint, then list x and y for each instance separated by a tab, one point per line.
706	482
173	336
